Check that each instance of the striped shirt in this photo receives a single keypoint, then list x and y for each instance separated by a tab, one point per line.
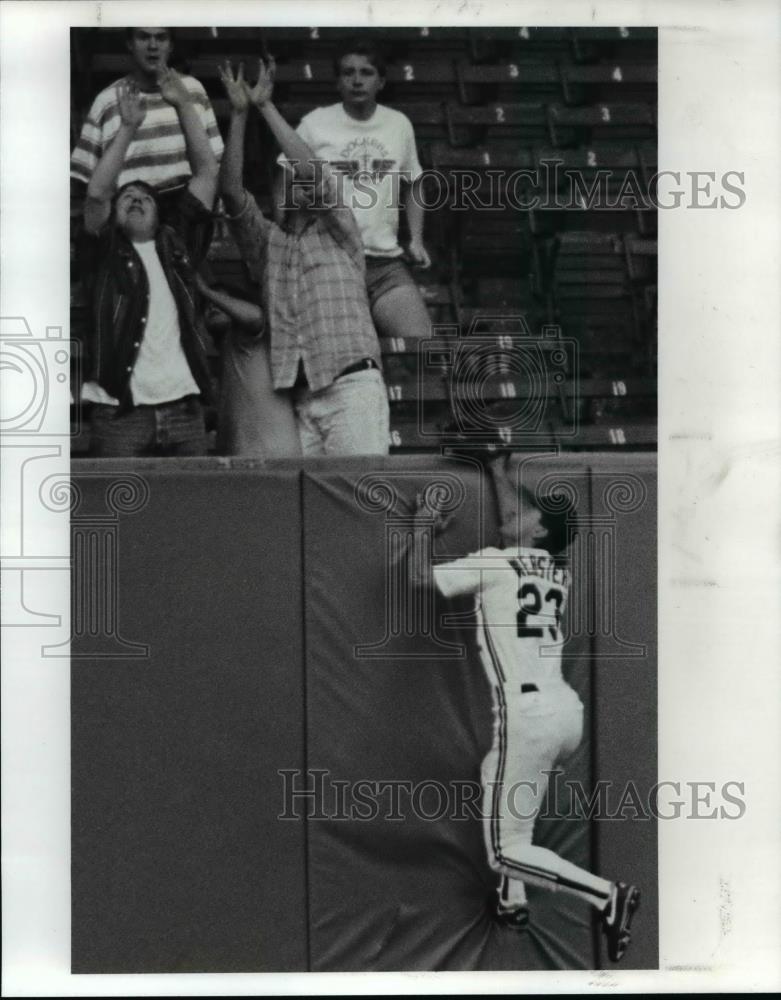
313	289
158	152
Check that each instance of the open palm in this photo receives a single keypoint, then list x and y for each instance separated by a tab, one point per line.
235	86
264	88
131	104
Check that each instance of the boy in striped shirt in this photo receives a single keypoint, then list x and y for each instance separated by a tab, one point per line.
158	153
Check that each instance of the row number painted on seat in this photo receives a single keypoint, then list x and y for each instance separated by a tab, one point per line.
617	436
605	113
409	72
394	393
524	33
314	33
508	390
395	439
618	76
591	158
619	388
398	345
499	113
512	69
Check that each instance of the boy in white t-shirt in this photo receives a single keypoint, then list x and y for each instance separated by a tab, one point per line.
372	147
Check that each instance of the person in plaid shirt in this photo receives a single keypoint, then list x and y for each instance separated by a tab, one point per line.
311	272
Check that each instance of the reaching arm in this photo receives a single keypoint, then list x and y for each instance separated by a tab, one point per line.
290	142
420	552
232	166
203	162
102	184
506	496
248	314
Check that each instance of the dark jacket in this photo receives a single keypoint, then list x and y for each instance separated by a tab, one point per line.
117	293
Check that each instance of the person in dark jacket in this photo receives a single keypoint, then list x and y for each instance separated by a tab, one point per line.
145	358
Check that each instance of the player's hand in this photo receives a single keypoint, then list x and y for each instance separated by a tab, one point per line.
497	462
261	93
235	87
418	254
172	88
427	511
131	103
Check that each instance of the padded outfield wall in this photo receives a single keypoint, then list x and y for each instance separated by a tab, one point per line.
240	632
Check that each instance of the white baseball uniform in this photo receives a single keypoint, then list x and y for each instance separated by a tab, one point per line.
521	594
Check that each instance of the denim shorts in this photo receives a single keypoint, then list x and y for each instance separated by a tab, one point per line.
385	273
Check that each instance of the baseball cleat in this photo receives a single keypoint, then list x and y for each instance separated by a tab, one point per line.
515	917
617	918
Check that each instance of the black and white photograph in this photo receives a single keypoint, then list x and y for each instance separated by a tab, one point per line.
367	459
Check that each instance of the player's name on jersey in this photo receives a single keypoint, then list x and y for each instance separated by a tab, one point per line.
543	565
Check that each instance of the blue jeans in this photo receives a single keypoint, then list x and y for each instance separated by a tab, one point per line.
349	417
176	428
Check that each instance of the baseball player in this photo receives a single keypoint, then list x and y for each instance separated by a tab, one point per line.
521	592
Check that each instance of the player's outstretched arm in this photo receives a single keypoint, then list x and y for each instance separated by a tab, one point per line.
419	554
506	495
102	184
203	162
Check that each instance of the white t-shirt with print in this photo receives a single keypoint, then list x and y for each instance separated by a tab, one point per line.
373	159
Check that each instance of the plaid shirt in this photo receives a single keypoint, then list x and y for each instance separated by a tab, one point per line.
313	290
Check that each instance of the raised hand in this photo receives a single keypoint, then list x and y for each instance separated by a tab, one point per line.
172	87
131	103
261	93
235	86
427	510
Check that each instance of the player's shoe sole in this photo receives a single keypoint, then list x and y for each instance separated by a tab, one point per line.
517	918
617	920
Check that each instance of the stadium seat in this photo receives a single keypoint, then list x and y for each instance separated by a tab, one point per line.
524	123
608	81
582	126
605	181
589	44
491	43
478	83
505	156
